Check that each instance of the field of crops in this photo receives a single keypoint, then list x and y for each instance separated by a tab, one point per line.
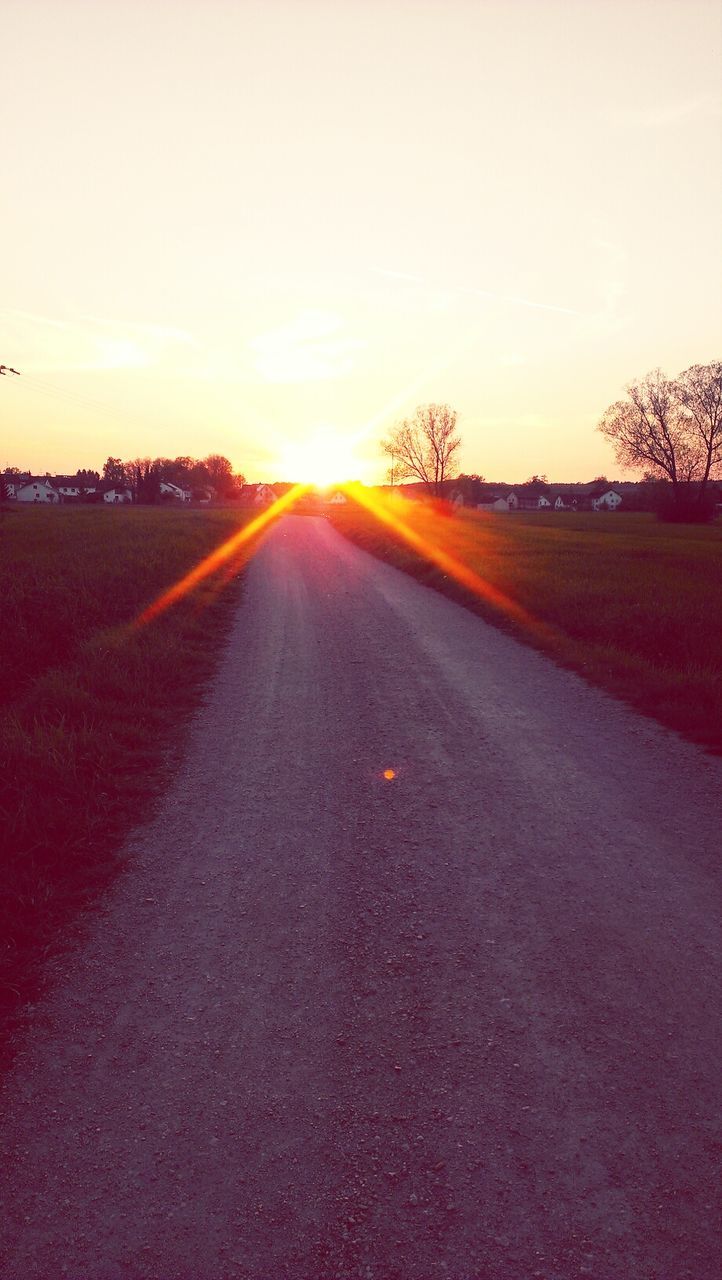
633	604
90	706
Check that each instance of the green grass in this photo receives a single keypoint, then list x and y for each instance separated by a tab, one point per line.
91	709
634	605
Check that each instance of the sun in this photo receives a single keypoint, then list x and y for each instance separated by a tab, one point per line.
323	458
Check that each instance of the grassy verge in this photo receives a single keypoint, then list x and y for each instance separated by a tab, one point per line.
634	605
90	709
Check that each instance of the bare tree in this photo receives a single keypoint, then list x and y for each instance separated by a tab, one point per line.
425	446
651	430
699	391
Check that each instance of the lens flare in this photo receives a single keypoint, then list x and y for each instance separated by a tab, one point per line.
235	549
389	511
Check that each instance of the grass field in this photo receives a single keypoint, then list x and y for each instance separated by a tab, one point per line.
634	605
90	708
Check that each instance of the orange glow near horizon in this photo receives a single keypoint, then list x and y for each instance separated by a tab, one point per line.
235	550
325	459
365	243
222	556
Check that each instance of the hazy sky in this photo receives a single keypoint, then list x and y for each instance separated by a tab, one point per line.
245	227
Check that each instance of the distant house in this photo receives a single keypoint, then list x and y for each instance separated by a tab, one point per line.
337	499
602	499
492	502
265	495
118	495
173	493
257	495
37	489
70	488
523	500
563	500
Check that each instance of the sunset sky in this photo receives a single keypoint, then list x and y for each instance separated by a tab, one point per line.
265	229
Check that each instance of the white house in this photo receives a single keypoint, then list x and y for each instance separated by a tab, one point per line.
523	501
117	495
494	504
174	492
609	500
37	490
338	499
564	501
265	495
70	488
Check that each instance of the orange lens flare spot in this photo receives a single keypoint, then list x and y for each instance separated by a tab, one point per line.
389	774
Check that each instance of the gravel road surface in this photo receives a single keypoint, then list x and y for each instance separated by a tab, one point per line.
329	1025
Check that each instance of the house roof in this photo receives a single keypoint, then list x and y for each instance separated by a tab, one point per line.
599	491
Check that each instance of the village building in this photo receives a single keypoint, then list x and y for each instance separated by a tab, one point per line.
603	499
37	489
70	488
173	493
257	495
118	495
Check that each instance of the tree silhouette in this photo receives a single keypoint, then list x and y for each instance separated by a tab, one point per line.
671	429
424	447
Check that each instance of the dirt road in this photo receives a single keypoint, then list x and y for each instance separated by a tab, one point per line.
332	1026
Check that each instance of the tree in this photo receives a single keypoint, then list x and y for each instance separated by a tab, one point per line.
472	487
652	431
424	447
115	472
182	467
698	391
143	477
220	474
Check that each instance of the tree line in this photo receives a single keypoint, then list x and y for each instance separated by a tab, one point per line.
144	476
669	428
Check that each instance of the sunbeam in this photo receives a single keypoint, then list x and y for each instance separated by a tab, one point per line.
221	556
386	510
